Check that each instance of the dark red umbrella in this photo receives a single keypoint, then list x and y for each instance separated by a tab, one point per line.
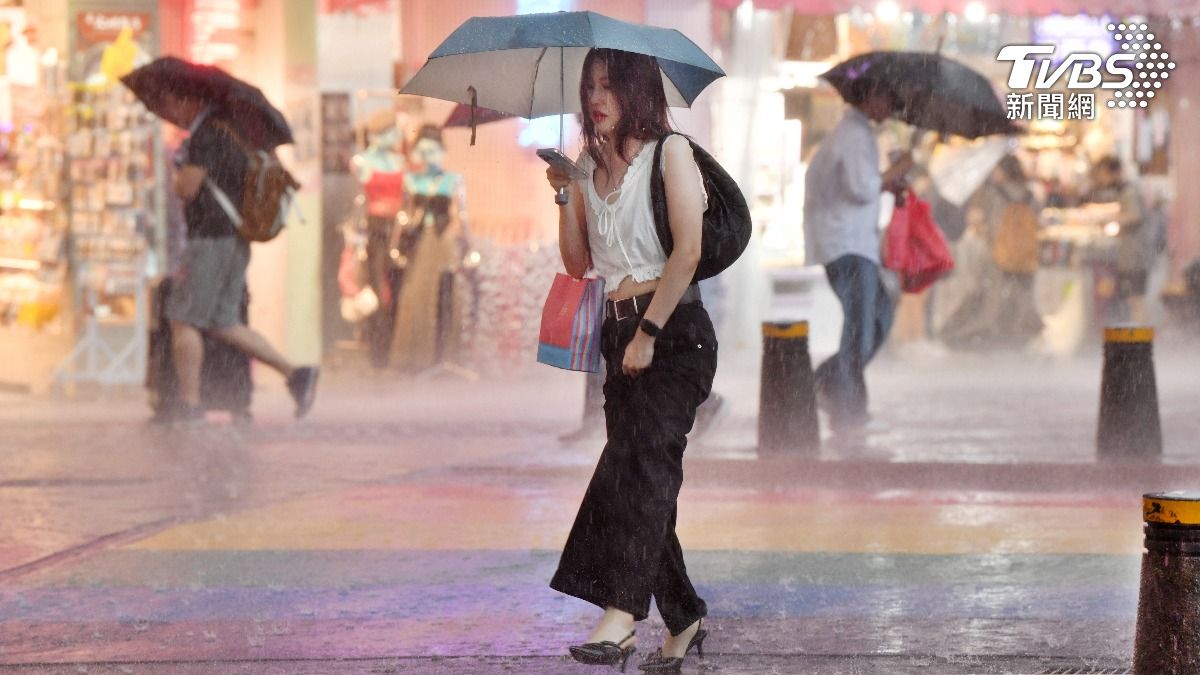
461	116
471	115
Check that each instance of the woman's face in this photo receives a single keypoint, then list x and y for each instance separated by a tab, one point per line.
602	105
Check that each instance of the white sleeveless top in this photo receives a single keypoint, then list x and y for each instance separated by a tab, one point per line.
621	233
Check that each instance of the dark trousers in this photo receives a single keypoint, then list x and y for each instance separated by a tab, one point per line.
622	549
384	279
867	317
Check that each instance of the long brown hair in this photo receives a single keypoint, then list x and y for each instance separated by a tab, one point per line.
636	83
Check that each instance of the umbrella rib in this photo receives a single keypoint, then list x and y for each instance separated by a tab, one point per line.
537	67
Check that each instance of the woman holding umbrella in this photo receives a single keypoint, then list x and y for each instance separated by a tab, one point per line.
660	348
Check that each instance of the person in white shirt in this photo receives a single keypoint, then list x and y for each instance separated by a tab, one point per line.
841	231
661	354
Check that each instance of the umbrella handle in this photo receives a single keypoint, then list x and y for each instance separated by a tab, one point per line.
561	197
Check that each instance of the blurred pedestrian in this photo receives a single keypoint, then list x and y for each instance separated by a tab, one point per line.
1135	245
843	185
660	350
1000	312
207	290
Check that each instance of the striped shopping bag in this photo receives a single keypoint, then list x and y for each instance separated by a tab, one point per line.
571	321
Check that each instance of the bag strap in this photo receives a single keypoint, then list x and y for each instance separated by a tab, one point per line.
226	203
218	194
656	176
658	196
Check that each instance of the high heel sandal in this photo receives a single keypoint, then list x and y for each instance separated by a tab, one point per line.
657	663
606	653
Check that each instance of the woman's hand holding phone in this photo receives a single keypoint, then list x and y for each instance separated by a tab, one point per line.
558	178
561	172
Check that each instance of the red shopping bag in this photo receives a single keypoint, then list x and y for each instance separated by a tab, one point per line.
914	246
571	322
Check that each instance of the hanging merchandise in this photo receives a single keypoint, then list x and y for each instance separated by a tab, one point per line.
34	316
114	177
115	225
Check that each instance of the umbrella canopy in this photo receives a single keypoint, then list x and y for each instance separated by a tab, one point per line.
531	65
959	171
242	104
932	91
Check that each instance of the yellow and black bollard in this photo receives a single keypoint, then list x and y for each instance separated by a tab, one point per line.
787	402
1168	617
1129	425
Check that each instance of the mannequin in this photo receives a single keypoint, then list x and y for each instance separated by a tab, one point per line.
380	169
428	324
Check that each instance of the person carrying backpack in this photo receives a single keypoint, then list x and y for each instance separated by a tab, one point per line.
207	289
1001	312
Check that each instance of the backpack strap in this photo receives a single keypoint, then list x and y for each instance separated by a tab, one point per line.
225	202
218	194
658	196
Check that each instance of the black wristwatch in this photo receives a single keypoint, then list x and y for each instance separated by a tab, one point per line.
649	328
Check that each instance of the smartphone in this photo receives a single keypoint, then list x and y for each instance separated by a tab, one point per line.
560	161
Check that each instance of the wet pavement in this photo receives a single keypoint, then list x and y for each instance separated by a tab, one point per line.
412	526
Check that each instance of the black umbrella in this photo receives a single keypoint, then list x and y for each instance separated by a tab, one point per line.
930	91
243	105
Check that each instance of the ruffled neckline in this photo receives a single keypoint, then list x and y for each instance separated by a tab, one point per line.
634	163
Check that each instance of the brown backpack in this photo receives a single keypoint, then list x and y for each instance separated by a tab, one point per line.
268	194
1016	247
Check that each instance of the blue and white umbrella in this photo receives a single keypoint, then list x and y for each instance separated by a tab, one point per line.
531	65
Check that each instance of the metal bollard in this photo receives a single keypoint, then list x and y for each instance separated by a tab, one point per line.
1129	424
1168	619
787	402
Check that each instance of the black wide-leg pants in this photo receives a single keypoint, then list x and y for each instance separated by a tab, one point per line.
622	549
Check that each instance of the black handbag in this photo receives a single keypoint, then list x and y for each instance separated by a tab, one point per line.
727	227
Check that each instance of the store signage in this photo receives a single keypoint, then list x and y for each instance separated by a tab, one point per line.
95	27
1079	33
1132	75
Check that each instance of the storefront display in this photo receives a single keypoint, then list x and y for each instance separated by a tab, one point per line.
115	225
113	193
31	230
35	317
1075	286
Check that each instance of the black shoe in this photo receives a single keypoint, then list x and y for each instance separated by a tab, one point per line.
607	653
658	663
303	387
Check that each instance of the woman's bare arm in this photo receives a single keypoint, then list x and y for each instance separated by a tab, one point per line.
572	226
685	215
